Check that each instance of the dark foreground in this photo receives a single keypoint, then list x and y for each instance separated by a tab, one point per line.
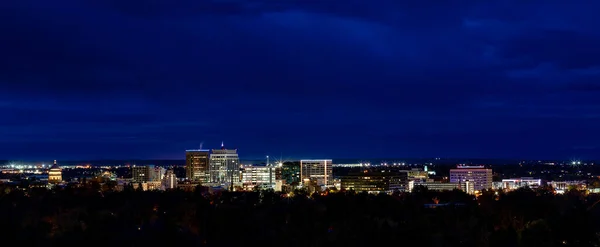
80	216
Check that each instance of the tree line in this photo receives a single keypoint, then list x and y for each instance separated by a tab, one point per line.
87	215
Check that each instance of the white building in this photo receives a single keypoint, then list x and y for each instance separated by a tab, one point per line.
169	180
562	186
319	171
480	176
515	183
261	176
224	167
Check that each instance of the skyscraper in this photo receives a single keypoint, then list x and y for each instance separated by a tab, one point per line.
224	166
318	171
196	164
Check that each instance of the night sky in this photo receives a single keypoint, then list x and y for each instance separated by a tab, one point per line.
304	79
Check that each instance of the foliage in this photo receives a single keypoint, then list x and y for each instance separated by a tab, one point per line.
78	216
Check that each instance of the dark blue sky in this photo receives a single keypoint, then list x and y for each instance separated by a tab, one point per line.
149	79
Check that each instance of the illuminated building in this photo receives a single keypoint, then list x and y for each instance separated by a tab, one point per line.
109	175
563	186
373	182
319	172
170	180
467	187
417	173
224	167
139	174
196	165
55	174
259	176
152	185
290	172
515	183
480	176
155	174
142	174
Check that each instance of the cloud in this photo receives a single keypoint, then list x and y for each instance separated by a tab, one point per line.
389	68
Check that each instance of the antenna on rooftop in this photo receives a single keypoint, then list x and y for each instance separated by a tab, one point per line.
201	145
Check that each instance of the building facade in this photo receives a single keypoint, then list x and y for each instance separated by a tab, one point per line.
467	187
156	174
139	174
169	180
149	173
196	165
55	174
373	182
563	186
290	172
480	176
259	177
224	167
515	183
416	173
317	171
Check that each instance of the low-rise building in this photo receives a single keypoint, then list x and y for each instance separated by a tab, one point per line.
515	183
467	187
373	182
562	186
260	176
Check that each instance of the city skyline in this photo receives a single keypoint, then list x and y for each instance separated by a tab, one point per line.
115	80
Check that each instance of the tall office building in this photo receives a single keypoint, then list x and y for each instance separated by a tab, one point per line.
318	171
224	167
480	176
196	164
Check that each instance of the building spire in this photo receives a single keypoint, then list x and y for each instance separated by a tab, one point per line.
222	145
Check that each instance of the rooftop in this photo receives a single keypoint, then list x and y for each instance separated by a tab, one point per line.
197	150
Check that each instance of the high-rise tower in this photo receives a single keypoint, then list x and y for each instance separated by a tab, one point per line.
224	168
196	164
